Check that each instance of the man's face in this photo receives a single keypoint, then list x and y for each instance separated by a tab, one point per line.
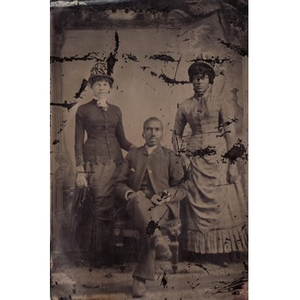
101	88
200	83
153	133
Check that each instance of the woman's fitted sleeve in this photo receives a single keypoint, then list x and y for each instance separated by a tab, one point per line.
79	137
122	181
124	143
177	182
180	122
227	119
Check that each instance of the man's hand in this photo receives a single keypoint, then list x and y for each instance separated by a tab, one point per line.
134	195
158	200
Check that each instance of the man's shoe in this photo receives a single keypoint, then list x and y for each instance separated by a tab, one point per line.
138	287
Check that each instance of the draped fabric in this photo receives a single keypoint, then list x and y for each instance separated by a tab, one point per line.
216	215
95	209
216	210
101	180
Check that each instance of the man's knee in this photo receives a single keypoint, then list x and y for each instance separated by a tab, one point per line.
138	202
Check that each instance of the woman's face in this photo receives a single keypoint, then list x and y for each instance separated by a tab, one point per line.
200	83
101	88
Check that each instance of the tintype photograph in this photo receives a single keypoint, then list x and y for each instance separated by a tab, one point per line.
149	149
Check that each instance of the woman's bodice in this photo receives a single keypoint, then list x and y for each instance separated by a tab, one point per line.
105	134
205	120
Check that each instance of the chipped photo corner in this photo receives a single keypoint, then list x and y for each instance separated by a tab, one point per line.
149	149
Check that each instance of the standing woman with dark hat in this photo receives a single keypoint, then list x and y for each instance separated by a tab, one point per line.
98	158
216	208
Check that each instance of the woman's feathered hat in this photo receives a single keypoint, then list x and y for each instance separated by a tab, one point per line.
99	71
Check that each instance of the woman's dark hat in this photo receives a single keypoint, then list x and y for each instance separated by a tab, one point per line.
100	70
201	68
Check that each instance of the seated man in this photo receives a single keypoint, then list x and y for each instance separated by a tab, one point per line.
151	180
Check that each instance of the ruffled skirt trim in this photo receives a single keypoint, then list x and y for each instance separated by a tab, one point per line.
218	240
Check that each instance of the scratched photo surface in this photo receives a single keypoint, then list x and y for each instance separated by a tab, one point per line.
147	48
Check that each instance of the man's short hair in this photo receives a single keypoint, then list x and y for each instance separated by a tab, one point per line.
153	119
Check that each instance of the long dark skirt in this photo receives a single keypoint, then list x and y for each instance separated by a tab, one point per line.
93	214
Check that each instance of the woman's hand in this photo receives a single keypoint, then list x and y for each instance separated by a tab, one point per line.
232	173
81	181
185	161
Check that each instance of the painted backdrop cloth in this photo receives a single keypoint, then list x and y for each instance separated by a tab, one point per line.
216	210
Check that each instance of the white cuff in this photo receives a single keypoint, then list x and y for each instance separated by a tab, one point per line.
127	194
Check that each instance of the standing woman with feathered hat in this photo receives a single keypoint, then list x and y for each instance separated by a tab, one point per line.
97	163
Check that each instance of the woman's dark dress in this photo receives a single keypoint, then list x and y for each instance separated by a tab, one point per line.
101	156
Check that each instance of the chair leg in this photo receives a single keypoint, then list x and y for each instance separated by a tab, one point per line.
119	249
174	247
